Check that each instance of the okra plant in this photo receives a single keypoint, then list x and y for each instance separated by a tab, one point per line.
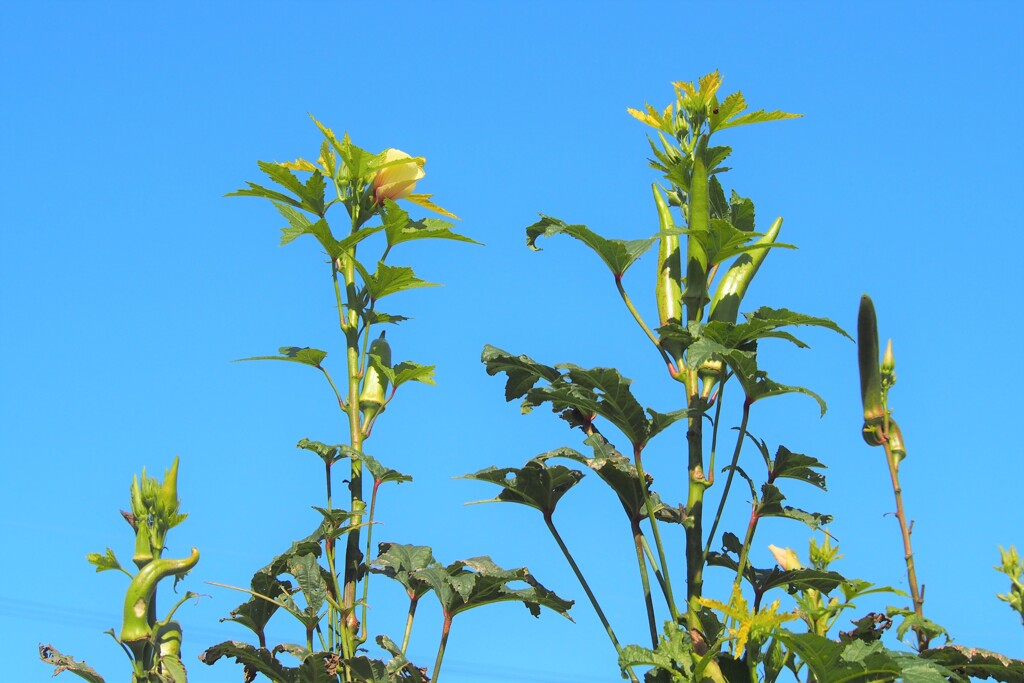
153	645
323	579
709	251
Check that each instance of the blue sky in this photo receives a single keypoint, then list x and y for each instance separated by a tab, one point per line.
128	283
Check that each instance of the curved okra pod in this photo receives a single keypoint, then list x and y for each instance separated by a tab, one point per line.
695	295
137	626
725	304
668	291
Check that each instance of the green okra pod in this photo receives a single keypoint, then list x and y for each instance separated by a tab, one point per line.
870	372
137	626
375	384
698	216
668	289
725	304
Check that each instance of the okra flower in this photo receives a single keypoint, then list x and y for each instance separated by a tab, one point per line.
786	557
398	179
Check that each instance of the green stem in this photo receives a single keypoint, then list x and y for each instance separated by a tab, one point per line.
698	484
662	559
369	545
440	648
583	582
654	564
729	477
645	580
643	326
916	594
413	601
747	541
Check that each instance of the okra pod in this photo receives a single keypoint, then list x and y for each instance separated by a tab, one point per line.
375	384
870	373
725	304
136	626
698	218
668	291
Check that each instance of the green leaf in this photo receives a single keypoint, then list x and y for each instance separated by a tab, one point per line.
790	465
295	354
407	371
400	562
314	668
771	506
855	588
760	116
830	662
50	655
911	620
466	584
399	228
618	255
392	279
310	193
767	319
306	570
256	660
536	484
256	612
380	473
104	562
255	190
400	669
522	371
329	454
977	663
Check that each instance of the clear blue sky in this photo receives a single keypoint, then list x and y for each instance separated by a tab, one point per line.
128	283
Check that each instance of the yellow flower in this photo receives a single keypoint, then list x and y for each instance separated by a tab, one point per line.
398	178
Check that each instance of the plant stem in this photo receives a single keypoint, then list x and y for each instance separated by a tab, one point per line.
694	503
369	543
643	326
747	541
901	517
586	587
729	477
662	559
413	601
440	648
638	537
657	572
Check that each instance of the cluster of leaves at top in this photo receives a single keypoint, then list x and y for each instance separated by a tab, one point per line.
327	591
700	284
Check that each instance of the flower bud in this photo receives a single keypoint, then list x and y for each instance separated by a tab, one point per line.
888	369
397	180
786	557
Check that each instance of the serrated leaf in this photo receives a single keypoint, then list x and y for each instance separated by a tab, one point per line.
62	662
306	570
392	279
424	200
104	562
855	588
760	116
790	465
255	190
522	371
536	484
400	562
295	354
766	319
407	371
831	662
398	227
466	584
310	193
256	612
771	506
330	454
618	255
977	663
380	473
376	317
257	660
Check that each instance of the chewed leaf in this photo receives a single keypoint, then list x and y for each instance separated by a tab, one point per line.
522	371
618	255
295	354
466	584
536	484
63	662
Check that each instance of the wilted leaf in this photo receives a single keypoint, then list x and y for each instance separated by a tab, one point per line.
50	655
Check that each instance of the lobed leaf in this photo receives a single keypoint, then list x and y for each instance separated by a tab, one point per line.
536	484
618	255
